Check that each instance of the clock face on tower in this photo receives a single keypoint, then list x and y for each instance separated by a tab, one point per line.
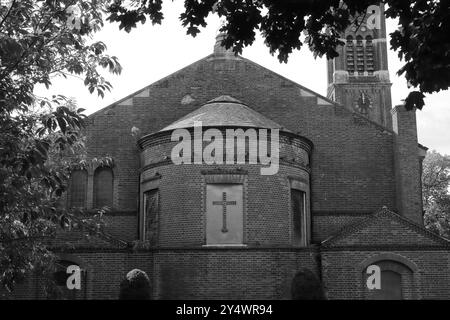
363	103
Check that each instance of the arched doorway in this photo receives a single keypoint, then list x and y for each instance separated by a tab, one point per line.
396	281
391	286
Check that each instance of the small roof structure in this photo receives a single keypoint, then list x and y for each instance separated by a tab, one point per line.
224	111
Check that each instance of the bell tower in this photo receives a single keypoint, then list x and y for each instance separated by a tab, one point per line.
359	78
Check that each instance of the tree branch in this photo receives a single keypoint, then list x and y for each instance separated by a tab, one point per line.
8	70
7	13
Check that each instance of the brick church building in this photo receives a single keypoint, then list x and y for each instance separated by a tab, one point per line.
347	193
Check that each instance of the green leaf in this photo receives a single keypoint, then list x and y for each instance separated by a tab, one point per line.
415	99
62	124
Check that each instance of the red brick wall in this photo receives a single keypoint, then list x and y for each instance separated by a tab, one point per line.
407	173
192	273
266	212
352	160
327	224
342	273
123	226
201	273
250	273
229	274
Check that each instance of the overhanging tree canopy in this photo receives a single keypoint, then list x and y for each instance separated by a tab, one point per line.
421	40
38	40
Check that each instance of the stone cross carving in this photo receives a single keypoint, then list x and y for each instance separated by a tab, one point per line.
224	203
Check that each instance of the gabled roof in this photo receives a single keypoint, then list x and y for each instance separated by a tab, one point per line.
304	92
145	91
224	111
385	228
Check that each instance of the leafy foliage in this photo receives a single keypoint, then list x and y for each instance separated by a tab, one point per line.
306	286
421	41
435	192
135	286
38	40
41	139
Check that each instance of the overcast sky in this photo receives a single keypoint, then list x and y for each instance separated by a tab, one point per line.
150	53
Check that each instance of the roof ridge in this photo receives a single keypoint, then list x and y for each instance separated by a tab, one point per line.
417	227
225	98
388	213
347	230
225	111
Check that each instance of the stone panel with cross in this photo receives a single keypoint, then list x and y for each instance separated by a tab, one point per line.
224	214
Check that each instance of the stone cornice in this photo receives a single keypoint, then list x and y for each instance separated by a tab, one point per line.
157	138
168	162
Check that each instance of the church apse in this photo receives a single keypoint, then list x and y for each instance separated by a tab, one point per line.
203	204
217	210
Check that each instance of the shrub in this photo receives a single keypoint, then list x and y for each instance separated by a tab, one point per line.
135	286
306	286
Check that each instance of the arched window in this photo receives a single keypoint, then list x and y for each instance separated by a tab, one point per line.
350	55
78	189
369	55
103	187
300	220
151	216
298	204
